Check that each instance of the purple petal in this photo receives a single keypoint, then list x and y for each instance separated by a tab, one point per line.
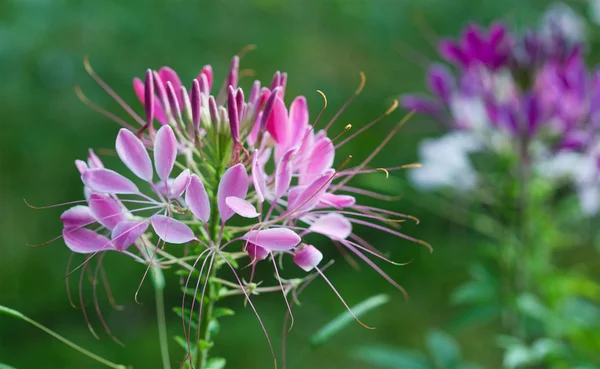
168	75
106	210
274	239
126	233
207	73
256	253
93	160
307	257
149	96
165	152
277	123
180	183
258	178
241	207
440	82
298	119
232	112
85	241
171	230
81	166
332	225
139	89
283	174
311	195
320	159
453	53
423	105
337	201
108	181
134	155
197	199
233	183
77	216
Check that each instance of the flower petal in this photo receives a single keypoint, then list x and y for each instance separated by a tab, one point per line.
298	119
108	181
277	123
311	195
85	241
93	160
258	177
274	239
159	113
167	74
283	174
133	154
171	230
233	183
307	257
125	233
180	183
197	199
241	207
165	152
332	225
320	159
77	216
336	201
256	253
106	210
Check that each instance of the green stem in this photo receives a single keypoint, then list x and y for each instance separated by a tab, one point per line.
87	353
159	285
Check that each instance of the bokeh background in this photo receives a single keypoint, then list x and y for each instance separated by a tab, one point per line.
322	45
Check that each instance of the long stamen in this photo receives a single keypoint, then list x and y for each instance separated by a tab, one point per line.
363	80
67	282
106	113
210	265
97	305
85	316
109	294
370	124
113	94
342	299
283	292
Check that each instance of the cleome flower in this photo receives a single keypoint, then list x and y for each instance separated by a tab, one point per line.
223	172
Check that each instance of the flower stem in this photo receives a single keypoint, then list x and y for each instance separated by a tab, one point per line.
159	286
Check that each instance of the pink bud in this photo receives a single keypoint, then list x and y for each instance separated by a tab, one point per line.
196	102
307	257
149	97
232	77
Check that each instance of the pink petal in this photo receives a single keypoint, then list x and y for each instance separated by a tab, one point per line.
277	124
77	216
106	210
159	113
258	178
320	159
108	181
93	160
171	230
332	225
311	196
85	241
81	166
283	174
167	74
241	207
298	119
133	154
274	239
256	253
336	201
165	151
208	73
307	257
126	233
197	199
233	183
180	183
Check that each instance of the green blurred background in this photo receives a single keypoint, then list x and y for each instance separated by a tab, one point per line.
322	45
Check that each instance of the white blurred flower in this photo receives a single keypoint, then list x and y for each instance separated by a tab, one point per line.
560	17
445	162
594	9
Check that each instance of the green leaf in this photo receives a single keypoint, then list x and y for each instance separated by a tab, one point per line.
221	312
216	363
390	358
517	356
472	292
531	306
443	348
214	327
342	320
186	316
4	366
203	345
